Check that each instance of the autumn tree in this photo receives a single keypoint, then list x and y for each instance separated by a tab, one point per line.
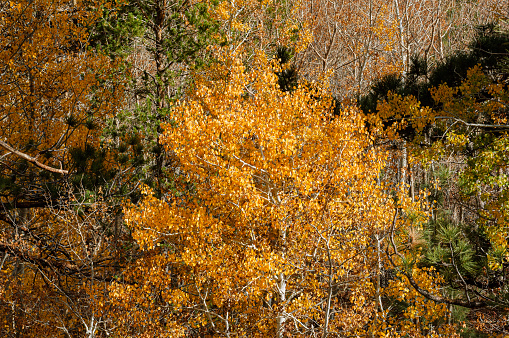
55	95
276	235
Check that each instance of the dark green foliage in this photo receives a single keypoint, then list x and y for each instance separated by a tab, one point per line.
453	70
456	249
391	83
176	32
449	249
379	91
418	68
337	107
490	47
288	78
458	252
187	34
72	121
90	167
113	34
472	333
90	124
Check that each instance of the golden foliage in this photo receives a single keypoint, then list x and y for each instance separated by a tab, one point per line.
51	85
275	232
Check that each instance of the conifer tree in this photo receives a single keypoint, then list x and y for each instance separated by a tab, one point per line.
167	39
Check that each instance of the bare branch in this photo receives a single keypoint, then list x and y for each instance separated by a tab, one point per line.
32	159
64	267
476	125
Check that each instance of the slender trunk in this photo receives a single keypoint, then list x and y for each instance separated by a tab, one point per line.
403	164
378	296
403	48
281	319
439	33
160	60
412	185
325	332
159	54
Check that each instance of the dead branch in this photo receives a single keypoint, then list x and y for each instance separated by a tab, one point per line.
32	159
